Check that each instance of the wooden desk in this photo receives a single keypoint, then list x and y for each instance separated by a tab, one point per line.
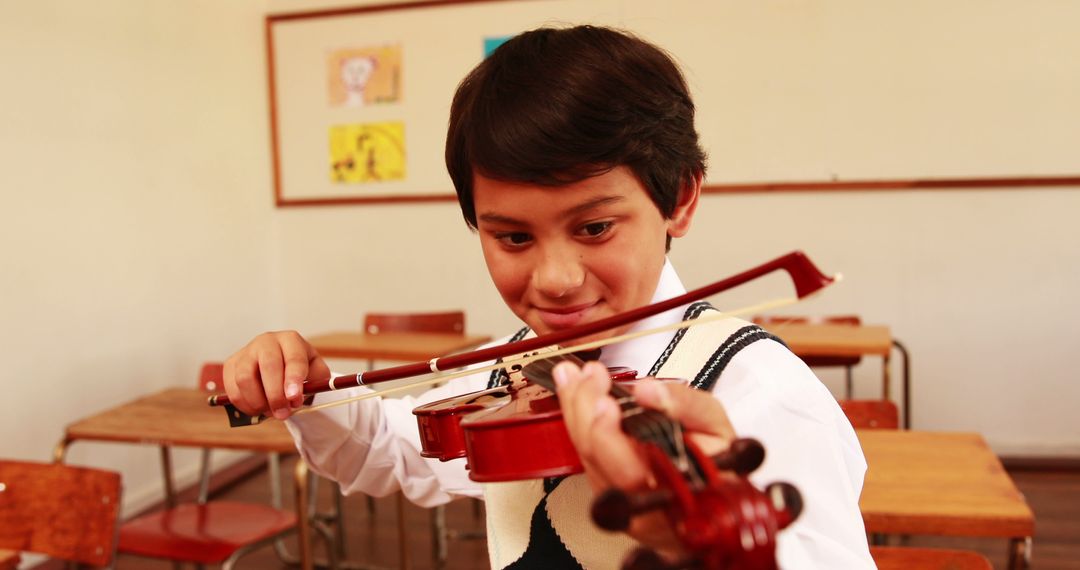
180	417
826	339
9	560
403	346
822	339
942	484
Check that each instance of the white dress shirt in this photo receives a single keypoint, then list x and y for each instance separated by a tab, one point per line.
373	446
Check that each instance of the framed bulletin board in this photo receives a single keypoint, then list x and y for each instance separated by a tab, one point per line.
855	97
360	97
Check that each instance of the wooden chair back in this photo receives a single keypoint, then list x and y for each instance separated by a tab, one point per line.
903	558
445	322
210	377
58	510
871	414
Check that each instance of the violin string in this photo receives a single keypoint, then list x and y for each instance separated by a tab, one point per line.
527	359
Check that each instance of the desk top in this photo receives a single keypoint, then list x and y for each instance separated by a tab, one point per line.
939	483
179	416
402	346
823	339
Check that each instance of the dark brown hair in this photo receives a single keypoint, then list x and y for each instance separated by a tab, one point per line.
556	106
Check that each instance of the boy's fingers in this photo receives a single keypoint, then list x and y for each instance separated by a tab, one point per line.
593	422
272	370
698	411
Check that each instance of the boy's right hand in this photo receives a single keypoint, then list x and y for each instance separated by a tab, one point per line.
267	376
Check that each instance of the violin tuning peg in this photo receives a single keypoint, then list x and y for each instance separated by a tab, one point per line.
743	456
787	500
614	508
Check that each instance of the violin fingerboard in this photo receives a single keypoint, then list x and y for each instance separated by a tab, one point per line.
540	371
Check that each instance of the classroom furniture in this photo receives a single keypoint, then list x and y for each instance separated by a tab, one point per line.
947	484
62	511
439	323
845	361
206	532
180	417
809	340
905	558
400	346
9	559
871	414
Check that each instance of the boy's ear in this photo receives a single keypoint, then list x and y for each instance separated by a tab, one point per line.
679	222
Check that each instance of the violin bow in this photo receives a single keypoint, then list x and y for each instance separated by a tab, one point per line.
807	278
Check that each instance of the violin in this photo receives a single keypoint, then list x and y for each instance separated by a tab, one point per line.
722	520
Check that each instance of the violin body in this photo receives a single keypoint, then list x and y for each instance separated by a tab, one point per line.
469	426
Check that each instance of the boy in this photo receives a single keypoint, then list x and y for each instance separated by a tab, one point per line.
574	157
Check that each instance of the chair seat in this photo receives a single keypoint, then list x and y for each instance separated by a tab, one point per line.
207	533
902	557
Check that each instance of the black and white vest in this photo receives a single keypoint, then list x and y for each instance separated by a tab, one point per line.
545	523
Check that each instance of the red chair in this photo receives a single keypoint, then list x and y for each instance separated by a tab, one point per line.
206	532
903	558
58	510
871	414
452	322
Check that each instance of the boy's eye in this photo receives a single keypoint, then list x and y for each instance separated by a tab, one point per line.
513	238
595	229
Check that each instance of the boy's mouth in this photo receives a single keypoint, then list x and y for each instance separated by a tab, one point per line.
564	317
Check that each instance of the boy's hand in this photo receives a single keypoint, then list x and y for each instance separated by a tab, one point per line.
267	375
611	457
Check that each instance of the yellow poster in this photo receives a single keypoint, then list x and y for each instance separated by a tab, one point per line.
369	152
364	76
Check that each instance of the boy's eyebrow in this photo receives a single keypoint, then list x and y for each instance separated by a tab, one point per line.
574	210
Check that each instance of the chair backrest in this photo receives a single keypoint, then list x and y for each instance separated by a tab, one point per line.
210	377
445	322
58	510
871	414
904	557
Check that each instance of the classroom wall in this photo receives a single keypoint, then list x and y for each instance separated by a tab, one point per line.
140	237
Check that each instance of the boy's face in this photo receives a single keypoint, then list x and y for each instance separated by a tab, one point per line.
563	256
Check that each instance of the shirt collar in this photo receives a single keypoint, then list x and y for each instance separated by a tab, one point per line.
641	353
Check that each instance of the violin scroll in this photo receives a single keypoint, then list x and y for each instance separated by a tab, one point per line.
722	521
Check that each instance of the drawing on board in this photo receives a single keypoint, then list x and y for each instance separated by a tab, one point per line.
367	152
358	77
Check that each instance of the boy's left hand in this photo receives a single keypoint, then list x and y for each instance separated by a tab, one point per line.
611	457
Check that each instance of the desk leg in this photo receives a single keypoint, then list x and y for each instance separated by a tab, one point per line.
60	451
1020	553
166	474
886	379
905	378
303	524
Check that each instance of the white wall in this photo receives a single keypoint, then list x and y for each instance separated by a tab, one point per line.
139	238
136	222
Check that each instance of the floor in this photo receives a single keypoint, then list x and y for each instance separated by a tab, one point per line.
373	542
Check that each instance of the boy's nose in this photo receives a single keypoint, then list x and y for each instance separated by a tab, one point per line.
558	274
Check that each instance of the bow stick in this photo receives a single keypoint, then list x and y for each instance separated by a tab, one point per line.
808	279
